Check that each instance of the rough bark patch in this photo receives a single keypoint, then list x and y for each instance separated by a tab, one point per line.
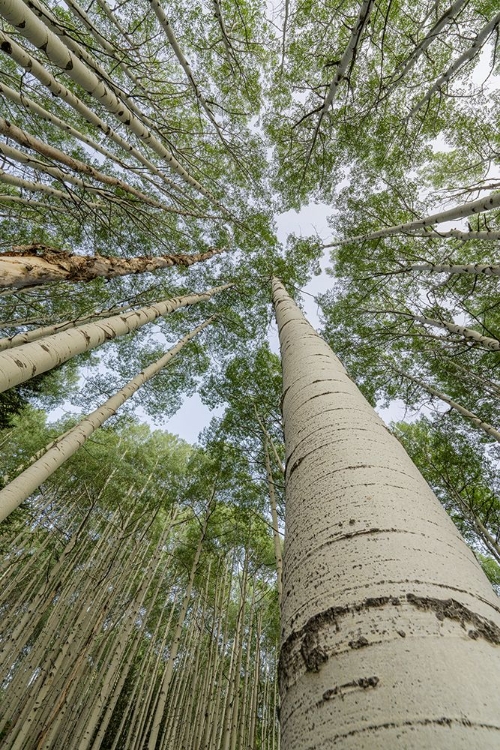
314	656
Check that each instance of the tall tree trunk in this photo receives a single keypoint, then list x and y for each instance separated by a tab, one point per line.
464	58
472	269
33	29
174	646
477	421
488	203
24	267
469	334
36	357
274	516
385	609
22	486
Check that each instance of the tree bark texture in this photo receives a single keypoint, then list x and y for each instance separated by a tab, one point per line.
28	360
390	630
33	265
22	486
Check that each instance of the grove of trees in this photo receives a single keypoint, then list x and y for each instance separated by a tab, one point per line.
304	577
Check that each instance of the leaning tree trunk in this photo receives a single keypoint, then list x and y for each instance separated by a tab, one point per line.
23	485
488	203
385	609
32	359
33	265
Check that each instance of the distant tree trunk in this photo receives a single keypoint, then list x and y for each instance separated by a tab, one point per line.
385	608
22	486
174	645
24	267
274	516
477	421
32	359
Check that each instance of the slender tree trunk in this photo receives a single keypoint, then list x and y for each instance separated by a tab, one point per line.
477	421
30	64
24	267
254	706
447	17
22	486
464	58
34	358
174	646
488	203
384	606
9	130
473	269
25	337
342	67
33	29
468	333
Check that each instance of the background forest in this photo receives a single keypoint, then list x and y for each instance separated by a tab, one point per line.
147	150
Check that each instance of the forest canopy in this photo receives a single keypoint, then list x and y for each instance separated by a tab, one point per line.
148	150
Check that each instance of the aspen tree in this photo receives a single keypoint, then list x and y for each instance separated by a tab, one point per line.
22	486
477	421
24	20
24	267
469	334
36	357
471	269
34	67
464	58
174	646
488	203
384	607
347	59
446	18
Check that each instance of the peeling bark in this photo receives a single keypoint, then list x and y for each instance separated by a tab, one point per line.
24	267
384	606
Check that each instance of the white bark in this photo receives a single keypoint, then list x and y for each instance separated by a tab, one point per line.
165	24
33	29
468	333
384	606
477	421
274	516
35	205
10	130
175	642
24	101
53	24
489	236
473	269
346	60
9	342
41	187
28	360
22	486
488	203
31	65
80	13
447	17
464	58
